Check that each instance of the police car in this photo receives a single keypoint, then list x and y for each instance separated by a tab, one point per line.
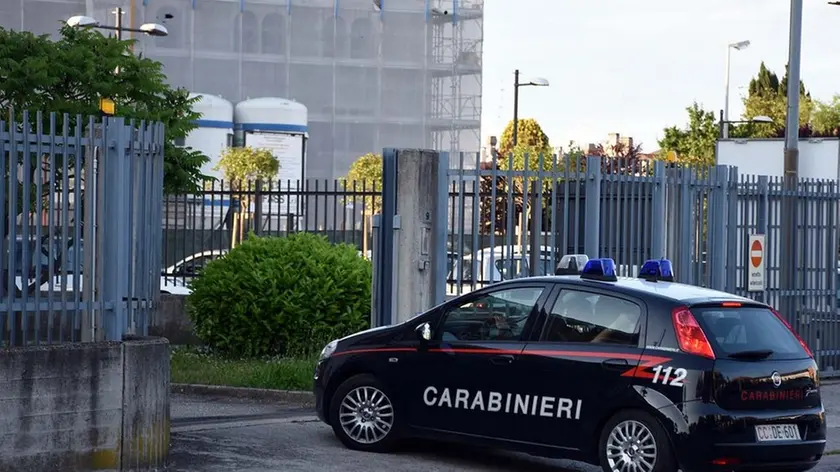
635	374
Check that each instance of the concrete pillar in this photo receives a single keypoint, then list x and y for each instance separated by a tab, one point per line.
417	191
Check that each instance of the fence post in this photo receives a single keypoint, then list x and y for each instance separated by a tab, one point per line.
733	236
592	220
258	207
439	230
683	240
716	228
384	298
417	189
658	233
115	220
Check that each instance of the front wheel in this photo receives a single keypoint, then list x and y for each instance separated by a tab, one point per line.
633	441
363	416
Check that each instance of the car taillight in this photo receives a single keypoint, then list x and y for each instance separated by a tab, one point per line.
691	337
798	337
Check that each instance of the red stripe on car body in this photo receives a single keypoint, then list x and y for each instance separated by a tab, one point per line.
640	371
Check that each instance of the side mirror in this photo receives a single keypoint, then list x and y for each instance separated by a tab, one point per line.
424	332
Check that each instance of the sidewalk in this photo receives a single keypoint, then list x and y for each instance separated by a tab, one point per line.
830	391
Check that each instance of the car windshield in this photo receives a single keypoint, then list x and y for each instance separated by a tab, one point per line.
738	330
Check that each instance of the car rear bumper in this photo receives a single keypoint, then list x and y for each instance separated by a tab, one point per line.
786	457
726	440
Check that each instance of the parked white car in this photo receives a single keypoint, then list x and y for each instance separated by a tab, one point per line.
175	279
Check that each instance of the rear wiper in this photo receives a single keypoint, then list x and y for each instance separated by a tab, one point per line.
756	354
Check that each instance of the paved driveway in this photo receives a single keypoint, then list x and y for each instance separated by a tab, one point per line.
222	435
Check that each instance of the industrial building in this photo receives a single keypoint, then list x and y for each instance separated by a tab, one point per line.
372	73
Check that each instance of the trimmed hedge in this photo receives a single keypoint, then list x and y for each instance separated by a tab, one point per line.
281	296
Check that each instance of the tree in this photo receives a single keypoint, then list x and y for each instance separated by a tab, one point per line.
533	144
695	143
365	175
826	117
72	74
619	158
768	97
531	139
240	165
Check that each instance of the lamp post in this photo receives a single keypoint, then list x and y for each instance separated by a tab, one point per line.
150	29
736	46
535	82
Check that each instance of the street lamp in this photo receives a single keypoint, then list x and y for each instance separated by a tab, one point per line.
151	29
736	46
534	82
724	123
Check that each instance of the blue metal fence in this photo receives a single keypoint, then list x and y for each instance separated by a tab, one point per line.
81	240
506	223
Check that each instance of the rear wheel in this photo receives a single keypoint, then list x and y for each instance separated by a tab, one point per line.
633	441
363	416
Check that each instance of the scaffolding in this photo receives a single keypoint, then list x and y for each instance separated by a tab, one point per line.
456	70
373	74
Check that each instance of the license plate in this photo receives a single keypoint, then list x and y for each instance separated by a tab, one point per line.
777	432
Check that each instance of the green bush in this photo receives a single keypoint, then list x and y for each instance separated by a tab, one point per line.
281	296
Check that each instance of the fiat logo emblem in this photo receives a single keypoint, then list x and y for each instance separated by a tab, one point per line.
777	379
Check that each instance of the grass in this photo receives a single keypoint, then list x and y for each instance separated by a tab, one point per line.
193	366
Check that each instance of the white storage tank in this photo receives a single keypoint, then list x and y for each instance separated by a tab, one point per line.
215	130
280	125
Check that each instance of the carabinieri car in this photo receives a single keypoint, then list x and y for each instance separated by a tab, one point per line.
635	374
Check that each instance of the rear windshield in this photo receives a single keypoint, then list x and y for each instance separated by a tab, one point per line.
744	329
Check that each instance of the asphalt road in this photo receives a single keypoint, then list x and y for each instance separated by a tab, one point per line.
222	435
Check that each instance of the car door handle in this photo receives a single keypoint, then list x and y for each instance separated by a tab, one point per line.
615	364
502	359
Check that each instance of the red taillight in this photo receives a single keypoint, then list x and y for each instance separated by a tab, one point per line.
798	338
730	304
726	461
691	337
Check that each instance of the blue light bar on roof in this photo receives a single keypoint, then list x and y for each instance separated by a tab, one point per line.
655	270
599	269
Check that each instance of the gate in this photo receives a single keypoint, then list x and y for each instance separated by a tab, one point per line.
81	235
700	218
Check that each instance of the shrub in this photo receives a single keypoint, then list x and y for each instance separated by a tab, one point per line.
281	296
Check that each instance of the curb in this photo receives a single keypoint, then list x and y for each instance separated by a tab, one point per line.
299	398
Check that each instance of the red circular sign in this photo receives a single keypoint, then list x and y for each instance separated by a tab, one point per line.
756	253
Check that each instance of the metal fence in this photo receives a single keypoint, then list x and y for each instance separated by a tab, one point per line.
80	259
199	228
512	223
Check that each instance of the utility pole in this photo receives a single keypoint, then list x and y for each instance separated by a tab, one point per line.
787	248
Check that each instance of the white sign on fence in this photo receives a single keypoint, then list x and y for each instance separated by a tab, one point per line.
288	149
755	263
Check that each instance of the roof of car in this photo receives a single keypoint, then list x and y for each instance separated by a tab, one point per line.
690	294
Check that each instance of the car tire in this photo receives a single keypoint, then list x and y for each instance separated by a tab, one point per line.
650	444
367	409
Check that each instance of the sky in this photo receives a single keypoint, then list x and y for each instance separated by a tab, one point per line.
632	67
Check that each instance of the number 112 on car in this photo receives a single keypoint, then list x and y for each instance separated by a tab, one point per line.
669	376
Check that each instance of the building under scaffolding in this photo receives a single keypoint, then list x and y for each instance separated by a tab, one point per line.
372	73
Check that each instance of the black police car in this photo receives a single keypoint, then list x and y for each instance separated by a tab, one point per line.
635	374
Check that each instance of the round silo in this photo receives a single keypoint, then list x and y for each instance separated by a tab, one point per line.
215	129
281	126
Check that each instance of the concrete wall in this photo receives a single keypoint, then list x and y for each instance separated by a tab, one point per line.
171	321
92	406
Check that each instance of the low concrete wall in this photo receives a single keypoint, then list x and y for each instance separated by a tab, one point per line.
171	321
81	407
